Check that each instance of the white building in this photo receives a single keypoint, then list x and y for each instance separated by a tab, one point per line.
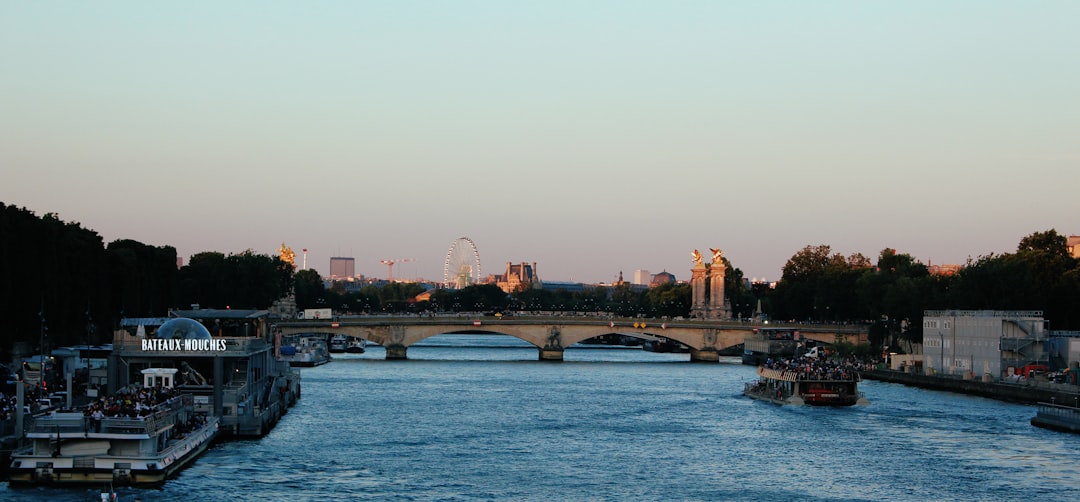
983	343
642	277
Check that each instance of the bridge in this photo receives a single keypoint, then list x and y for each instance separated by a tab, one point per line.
552	334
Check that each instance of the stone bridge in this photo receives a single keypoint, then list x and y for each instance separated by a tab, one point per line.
551	335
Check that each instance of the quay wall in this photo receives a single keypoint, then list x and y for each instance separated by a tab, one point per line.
1031	392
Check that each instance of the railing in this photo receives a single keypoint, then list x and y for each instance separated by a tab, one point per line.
1068	413
161	416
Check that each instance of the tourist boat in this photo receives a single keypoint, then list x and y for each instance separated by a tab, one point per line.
74	448
800	387
769	343
356	345
225	358
1057	417
304	351
338	344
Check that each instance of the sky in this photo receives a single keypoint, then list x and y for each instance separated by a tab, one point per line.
591	138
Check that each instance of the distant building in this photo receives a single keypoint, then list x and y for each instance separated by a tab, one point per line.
342	267
1073	246
569	287
662	278
516	277
943	269
981	343
642	277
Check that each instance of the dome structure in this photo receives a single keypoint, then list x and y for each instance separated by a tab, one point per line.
183	328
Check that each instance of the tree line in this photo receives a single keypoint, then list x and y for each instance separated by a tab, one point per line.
891	294
61	283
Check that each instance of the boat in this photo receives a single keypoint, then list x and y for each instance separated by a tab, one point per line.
664	345
304	351
356	345
232	373
1057	417
766	343
124	447
799	387
338	344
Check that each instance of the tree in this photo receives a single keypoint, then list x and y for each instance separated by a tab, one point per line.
309	289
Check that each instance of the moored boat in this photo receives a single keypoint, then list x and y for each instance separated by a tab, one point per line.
304	351
130	448
338	343
799	387
233	373
1057	417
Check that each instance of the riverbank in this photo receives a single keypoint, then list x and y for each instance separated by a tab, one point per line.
1029	392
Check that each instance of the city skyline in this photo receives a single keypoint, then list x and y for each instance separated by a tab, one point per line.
592	139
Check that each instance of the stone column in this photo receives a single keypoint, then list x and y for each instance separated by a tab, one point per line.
397	352
717	307
708	351
553	347
698	307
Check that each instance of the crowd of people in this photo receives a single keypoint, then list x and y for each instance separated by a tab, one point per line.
818	368
131	402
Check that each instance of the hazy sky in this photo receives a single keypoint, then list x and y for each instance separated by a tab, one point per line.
589	137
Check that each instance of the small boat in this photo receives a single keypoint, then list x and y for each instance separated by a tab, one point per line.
799	387
356	345
1057	417
664	345
75	448
338	343
304	351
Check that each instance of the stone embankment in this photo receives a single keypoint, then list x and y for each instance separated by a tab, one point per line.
1029	392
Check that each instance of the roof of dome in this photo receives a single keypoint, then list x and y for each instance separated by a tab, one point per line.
183	328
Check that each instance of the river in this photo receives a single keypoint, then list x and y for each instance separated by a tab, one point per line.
474	417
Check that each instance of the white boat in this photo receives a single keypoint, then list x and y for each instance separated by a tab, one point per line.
73	448
304	351
356	345
338	344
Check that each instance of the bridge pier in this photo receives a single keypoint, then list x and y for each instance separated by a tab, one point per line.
551	355
396	352
706	355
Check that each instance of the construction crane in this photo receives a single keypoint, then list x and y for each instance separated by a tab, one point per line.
390	263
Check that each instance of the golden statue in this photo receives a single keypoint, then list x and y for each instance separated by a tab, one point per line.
717	255
287	255
697	257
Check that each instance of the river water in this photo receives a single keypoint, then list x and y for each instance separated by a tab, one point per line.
473	417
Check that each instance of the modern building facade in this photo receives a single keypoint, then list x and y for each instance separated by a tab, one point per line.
342	267
987	344
642	277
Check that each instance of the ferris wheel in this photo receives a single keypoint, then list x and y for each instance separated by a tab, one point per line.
462	267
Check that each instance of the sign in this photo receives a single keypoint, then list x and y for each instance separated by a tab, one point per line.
186	344
476	323
335	325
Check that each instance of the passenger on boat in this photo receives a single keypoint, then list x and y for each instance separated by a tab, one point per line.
816	369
